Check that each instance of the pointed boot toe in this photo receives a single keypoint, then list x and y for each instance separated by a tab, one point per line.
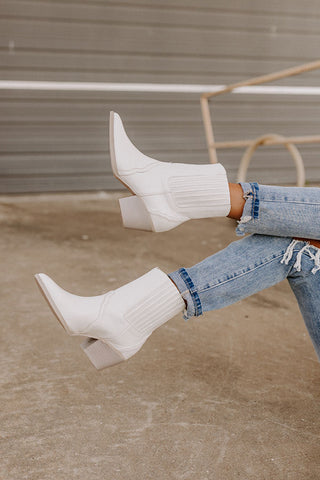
73	311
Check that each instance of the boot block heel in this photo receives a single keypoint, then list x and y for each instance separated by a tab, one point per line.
134	214
100	354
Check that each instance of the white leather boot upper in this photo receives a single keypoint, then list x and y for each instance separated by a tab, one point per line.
123	318
171	192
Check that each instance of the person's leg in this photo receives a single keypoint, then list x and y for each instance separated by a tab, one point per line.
237	201
280	211
248	266
119	322
305	284
168	194
243	268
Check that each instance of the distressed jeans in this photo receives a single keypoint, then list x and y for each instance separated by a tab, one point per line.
272	216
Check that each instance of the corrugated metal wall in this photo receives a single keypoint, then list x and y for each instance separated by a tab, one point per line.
54	141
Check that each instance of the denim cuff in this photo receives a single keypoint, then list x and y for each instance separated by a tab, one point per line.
187	289
251	207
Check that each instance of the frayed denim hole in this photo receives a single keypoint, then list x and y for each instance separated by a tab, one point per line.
246	189
185	315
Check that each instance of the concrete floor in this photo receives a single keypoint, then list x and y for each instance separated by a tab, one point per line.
232	395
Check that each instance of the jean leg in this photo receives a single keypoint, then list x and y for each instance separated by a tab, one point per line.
245	267
306	287
280	211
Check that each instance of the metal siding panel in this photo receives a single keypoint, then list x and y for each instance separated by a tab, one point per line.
156	40
265	113
58	140
157	15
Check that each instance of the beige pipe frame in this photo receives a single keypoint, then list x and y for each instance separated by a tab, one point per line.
269	139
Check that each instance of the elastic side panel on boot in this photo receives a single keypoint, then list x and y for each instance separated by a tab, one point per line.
160	304
202	195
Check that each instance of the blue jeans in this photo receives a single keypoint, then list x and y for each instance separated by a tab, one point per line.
273	216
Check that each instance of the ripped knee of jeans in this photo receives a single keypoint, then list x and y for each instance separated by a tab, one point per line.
308	249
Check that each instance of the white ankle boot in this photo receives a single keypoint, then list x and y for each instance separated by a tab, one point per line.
167	194
118	322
